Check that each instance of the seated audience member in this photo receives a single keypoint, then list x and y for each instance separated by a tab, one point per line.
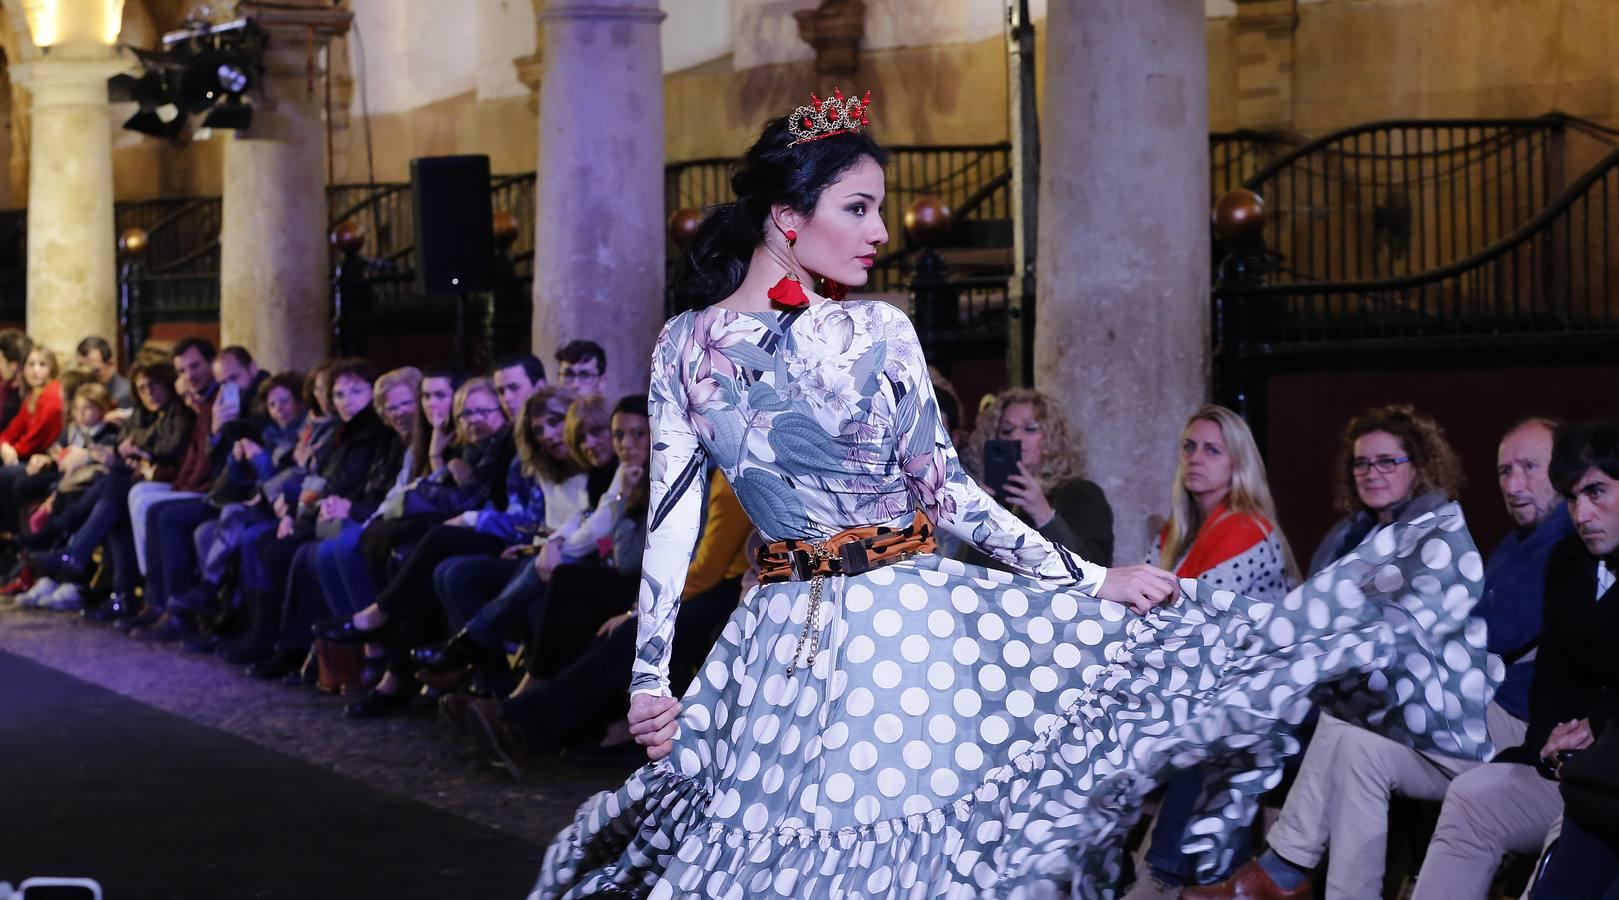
95	356
39	418
1339	803
14	347
1512	804
151	446
580	366
515	377
1047	490
87	427
1584	860
579	693
1394	462
1222	531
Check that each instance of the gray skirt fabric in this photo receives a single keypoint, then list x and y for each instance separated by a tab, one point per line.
965	732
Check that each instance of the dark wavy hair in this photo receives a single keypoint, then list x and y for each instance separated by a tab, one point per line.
771	173
1438	467
1579	448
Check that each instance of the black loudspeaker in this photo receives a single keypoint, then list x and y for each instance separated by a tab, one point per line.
454	224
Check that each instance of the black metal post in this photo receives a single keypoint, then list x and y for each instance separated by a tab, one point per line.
351	305
131	294
933	302
1025	160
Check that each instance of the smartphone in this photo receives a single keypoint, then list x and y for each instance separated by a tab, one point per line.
232	395
1001	460
59	889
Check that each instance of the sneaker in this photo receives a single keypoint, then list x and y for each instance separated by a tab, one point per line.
42	588
67	598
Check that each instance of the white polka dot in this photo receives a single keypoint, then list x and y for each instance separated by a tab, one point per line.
1015	654
756	818
941	676
941	624
730	802
888	728
1457	657
992	678
887	674
964	599
916	805
989	832
1064	607
887	622
860	702
857	598
914	701
717	674
1471	565
867	809
891	782
994	729
773	779
913	596
774	687
839	788
917	755
765	728
863	756
1089	633
1040	630
914	648
944	783
1066	656
1043	679
860	649
1435	553
881	576
942	729
1014	603
835	737
969	757
1019	703
749	769
1281	631
968	703
965	651
990	627
1388	579
808	699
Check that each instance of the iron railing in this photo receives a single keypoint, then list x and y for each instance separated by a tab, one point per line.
1400	197
1236	156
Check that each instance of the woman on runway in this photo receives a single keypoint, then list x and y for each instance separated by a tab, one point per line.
875	721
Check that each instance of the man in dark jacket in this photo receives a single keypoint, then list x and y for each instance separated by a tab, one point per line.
1512	804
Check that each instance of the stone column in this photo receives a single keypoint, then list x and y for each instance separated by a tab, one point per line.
1123	252
72	282
598	235
275	297
1264	37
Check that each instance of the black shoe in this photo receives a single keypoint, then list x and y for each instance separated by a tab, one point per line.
168	628
277	665
59	567
117	608
460	652
375	704
202	599
344	631
145	619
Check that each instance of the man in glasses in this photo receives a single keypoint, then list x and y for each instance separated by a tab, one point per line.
1340	799
581	365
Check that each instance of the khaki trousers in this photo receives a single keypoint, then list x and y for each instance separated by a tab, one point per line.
1340	799
1489	812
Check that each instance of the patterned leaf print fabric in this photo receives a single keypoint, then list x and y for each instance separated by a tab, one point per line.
970	732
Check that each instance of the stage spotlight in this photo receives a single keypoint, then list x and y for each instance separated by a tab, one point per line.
157	115
201	78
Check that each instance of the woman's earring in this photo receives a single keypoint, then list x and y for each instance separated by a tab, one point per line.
792	237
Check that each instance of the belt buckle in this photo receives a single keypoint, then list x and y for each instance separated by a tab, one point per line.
854	558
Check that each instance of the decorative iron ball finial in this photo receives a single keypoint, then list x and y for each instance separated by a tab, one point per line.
133	241
348	237
683	225
1239	216
928	219
505	229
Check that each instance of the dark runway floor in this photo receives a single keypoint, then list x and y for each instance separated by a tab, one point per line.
153	806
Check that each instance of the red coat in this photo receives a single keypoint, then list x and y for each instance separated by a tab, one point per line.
34	432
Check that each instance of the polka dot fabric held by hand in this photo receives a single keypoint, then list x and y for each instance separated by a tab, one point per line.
970	733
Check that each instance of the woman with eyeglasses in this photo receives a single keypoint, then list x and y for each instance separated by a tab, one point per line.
1395	464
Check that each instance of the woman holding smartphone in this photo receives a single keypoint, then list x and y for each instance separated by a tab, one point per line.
1024	452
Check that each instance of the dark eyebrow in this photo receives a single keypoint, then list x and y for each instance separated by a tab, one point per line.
867	197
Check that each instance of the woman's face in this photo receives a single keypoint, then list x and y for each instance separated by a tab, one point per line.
839	241
1206	459
154	394
1020	423
350	396
399	409
86	415
438	397
632	439
481	416
283	406
323	393
37	370
1381	490
550	430
599	444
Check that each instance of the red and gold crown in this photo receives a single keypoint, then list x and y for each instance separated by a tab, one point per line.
824	118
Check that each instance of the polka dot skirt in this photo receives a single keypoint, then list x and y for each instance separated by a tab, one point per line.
965	732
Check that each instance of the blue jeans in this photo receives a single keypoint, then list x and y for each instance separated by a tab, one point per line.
345	579
515	612
171	560
1164	857
465	584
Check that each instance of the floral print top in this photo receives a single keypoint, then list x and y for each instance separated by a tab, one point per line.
822	419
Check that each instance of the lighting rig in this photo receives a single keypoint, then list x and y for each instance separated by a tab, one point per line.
199	78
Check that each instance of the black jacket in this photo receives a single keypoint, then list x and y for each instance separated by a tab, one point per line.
1576	668
357	444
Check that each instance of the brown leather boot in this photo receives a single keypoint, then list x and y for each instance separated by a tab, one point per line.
1251	882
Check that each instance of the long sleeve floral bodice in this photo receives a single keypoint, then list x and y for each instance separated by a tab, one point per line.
821	419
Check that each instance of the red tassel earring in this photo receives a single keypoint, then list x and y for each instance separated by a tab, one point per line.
789	291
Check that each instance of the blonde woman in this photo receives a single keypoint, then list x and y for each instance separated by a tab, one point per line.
1221	531
1047	490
